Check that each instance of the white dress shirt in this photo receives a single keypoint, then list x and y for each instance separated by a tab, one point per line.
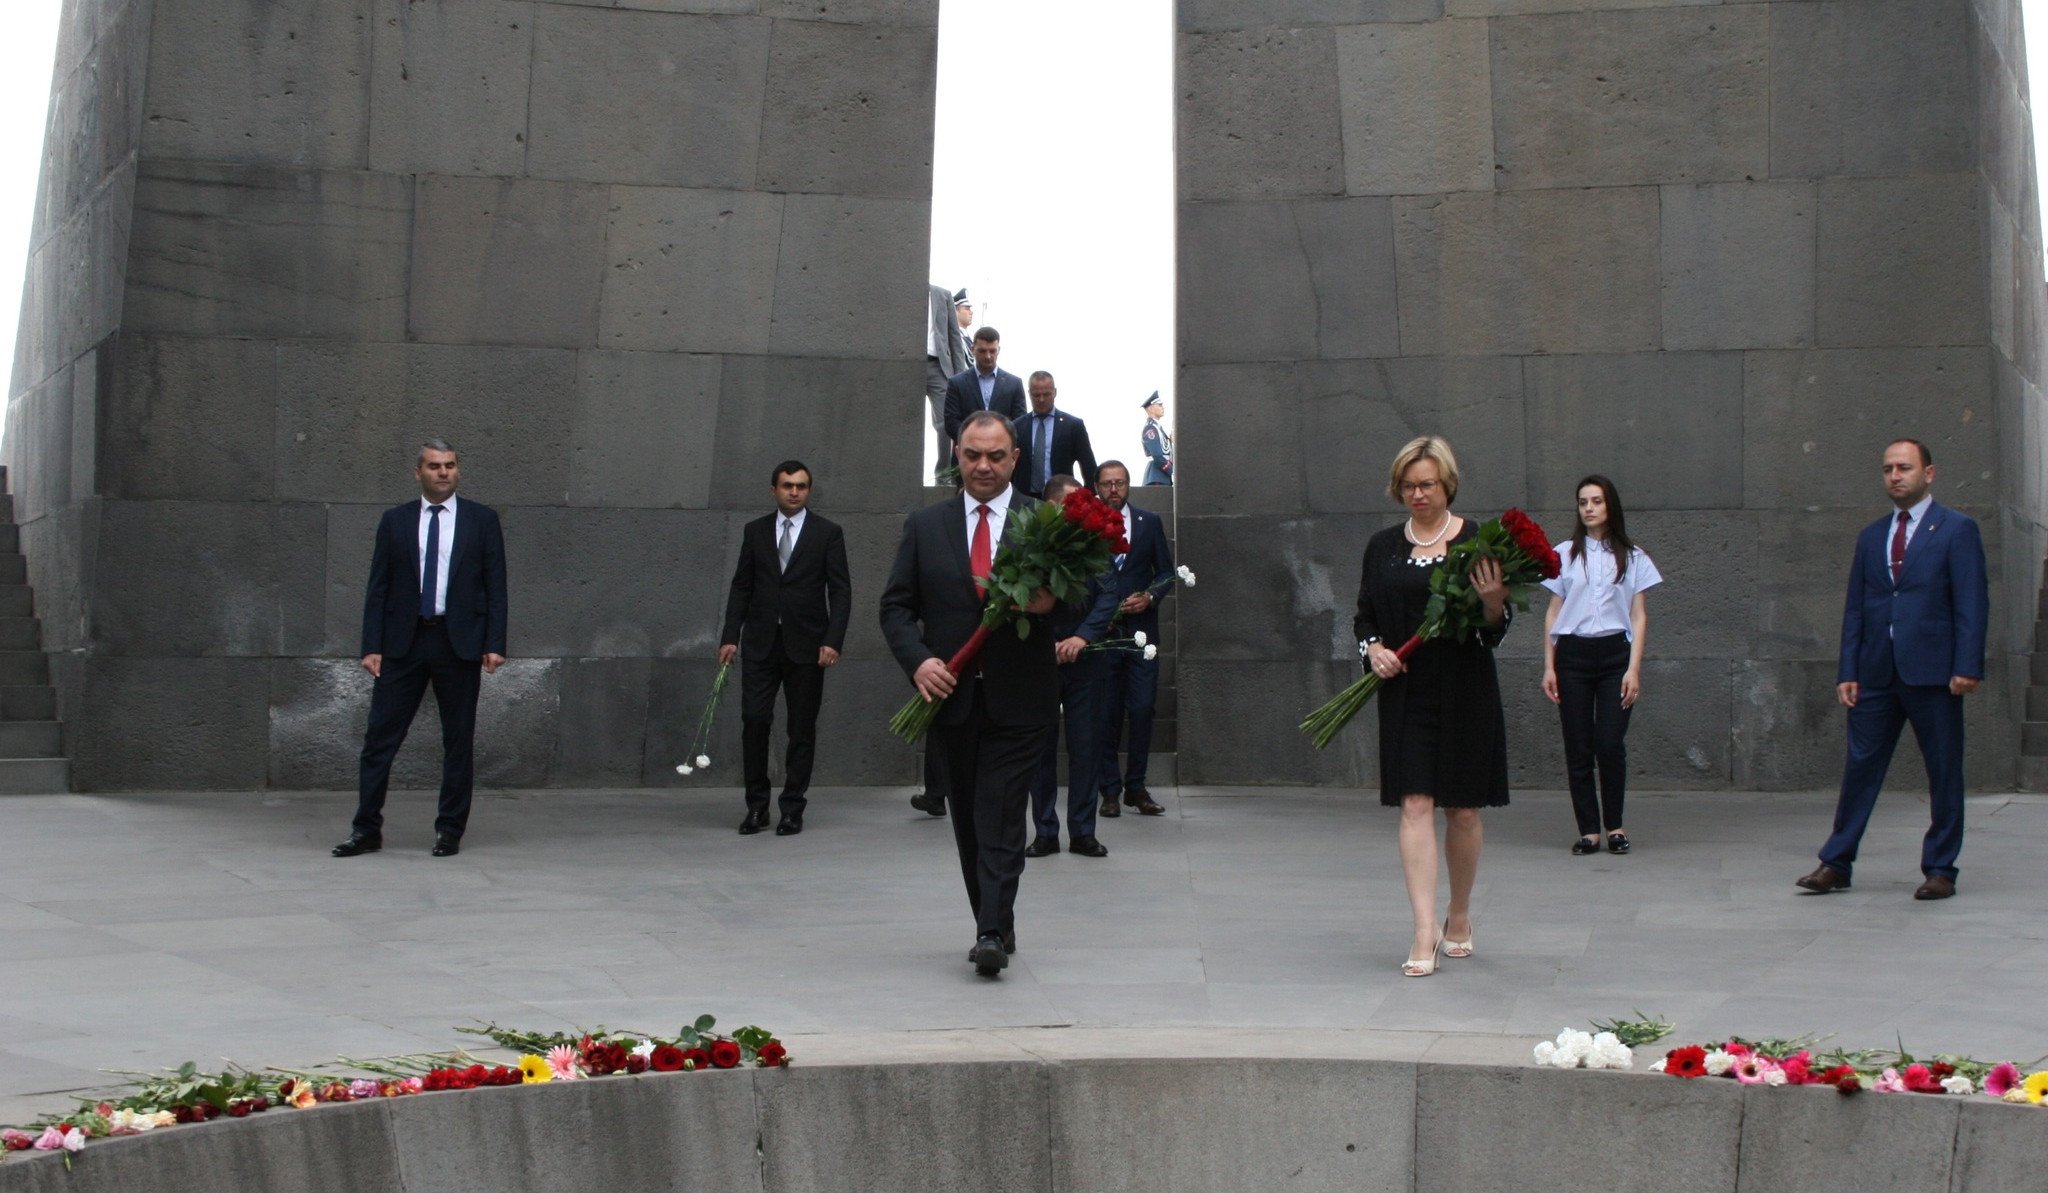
1130	529
445	548
998	510
1595	606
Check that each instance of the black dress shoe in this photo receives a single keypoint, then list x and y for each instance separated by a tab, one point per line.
1617	842
934	805
754	823
1584	848
791	825
1088	847
1825	879
1041	846
1937	886
1109	808
447	846
1141	799
358	843
988	956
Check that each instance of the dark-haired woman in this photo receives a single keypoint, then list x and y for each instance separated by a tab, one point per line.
1593	658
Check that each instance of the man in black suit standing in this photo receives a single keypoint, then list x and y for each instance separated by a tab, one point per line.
1130	681
1079	683
996	715
790	592
1055	442
434	615
983	387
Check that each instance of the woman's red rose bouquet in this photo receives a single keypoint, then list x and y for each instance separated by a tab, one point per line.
1454	611
1059	548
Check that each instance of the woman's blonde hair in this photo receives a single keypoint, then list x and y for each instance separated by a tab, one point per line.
1433	448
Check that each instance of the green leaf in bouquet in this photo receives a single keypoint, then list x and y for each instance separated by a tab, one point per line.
706	1023
1023	628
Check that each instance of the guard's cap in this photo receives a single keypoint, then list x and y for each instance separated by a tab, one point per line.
960	297
1152	401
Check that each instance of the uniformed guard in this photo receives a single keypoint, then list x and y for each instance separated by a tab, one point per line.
1158	444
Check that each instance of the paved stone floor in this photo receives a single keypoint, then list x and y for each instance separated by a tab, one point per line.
138	931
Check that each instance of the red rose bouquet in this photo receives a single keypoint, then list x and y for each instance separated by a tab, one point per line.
1454	611
1055	547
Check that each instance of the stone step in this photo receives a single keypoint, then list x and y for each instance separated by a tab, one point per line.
2033	774
2040	636
2037	669
2037	703
10	539
2034	739
24	668
13	569
35	776
17	600
31	739
21	633
29	703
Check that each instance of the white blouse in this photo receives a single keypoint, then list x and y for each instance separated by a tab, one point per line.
1595	606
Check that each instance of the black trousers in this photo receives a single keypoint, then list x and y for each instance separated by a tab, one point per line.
1589	672
1129	687
1080	684
990	768
803	689
395	700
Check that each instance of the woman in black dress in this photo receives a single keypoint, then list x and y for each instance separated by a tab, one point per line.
1443	738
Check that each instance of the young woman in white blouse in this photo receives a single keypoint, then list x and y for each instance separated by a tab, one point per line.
1593	658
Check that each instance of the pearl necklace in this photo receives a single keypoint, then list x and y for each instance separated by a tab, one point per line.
1441	531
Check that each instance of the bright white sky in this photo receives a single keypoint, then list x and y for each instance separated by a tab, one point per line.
1052	199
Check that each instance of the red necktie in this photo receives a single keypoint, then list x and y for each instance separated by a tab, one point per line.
1899	546
982	560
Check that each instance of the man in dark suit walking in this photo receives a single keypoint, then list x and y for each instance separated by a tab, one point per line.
1080	672
1054	441
1130	681
996	715
434	615
983	387
1913	632
788	606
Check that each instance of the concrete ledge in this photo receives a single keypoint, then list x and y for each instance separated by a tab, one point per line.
1124	1109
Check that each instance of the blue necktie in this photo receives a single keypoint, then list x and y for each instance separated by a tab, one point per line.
431	574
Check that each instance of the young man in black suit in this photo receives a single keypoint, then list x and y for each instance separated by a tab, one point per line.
434	615
1130	681
983	387
996	715
1055	443
788	607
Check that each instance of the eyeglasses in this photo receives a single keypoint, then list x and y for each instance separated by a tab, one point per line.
1418	488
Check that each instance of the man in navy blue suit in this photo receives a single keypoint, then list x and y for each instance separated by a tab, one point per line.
983	387
1055	443
434	615
1912	647
1130	681
1080	669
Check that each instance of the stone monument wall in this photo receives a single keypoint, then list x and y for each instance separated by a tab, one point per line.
1721	253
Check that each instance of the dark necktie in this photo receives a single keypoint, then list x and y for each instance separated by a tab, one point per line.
430	575
1899	545
982	558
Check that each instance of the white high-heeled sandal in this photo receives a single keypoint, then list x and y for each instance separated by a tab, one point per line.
1457	948
1421	969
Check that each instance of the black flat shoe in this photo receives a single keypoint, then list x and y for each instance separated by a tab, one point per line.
930	805
791	825
1042	847
988	956
1617	842
447	846
1088	847
358	843
1583	847
1109	808
754	823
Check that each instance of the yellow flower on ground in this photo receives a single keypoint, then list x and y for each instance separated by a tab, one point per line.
2037	1087
535	1069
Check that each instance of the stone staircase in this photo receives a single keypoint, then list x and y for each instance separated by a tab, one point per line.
2034	727
32	760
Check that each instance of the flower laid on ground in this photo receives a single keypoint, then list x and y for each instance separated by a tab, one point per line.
2035	1087
701	741
1794	1062
186	1095
1454	611
1575	1049
1059	548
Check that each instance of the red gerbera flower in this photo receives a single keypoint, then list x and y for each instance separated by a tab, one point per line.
1689	1061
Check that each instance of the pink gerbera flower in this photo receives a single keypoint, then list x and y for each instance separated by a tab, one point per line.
2002	1077
1747	1069
562	1059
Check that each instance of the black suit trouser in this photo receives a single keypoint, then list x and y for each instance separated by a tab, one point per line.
935	397
803	690
395	700
990	767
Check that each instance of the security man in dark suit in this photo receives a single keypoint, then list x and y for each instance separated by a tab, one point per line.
996	715
1054	441
1130	681
791	593
434	615
1080	684
1913	630
983	387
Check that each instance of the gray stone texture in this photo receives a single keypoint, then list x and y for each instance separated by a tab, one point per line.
1260	115
448	86
1313	278
1418	107
506	261
1738	265
1833	65
1866	1142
